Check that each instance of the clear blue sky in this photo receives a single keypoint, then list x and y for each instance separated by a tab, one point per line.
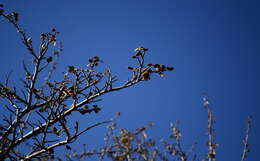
213	44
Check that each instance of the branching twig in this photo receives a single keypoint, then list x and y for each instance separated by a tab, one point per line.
211	156
245	140
52	102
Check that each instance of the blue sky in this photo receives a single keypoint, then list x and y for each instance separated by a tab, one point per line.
214	46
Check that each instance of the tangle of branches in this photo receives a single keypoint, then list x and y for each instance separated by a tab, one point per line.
35	117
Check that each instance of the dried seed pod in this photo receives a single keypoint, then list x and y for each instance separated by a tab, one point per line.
94	59
146	75
49	59
43	36
130	68
71	69
170	68
156	66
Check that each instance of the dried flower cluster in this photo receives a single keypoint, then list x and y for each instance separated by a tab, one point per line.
146	71
125	145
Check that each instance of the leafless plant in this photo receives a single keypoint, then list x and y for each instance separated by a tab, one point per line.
211	156
245	140
124	145
36	117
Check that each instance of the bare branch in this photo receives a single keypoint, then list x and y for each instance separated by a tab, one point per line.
211	156
246	138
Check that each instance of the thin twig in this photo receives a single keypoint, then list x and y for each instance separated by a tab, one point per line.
245	140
